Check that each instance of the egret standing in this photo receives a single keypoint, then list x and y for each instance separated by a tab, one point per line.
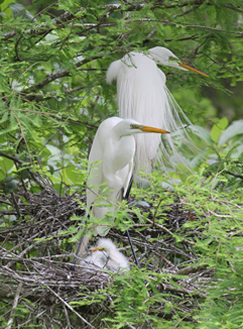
142	95
111	164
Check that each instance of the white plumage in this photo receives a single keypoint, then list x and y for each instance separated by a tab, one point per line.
111	166
142	95
106	255
114	147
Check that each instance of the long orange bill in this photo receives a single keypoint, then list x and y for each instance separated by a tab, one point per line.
191	68
153	130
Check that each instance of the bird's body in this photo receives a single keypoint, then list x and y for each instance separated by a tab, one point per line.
142	95
115	153
106	256
111	166
111	163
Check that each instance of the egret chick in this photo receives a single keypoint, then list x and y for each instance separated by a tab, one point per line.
106	255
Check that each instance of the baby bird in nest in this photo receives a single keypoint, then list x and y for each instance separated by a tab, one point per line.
106	255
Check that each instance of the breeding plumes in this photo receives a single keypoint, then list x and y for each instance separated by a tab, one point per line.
106	256
142	95
111	166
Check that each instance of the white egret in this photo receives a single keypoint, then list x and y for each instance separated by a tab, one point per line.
111	163
106	255
142	95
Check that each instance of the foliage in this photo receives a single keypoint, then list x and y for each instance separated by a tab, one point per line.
53	97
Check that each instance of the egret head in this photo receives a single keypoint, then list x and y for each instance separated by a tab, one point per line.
130	127
164	56
109	256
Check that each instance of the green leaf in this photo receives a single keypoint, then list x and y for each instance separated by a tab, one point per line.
236	128
218	128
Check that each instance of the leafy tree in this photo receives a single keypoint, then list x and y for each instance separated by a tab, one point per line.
187	227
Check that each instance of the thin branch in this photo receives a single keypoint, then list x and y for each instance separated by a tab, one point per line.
14	159
233	8
15	304
23	135
233	174
46	8
68	306
166	22
61	74
41	29
15	204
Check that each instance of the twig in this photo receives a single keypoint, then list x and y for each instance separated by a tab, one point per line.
10	157
68	306
58	75
15	204
168	231
15	303
233	8
23	135
233	174
48	7
6	239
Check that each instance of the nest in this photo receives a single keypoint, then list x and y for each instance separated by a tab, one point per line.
37	257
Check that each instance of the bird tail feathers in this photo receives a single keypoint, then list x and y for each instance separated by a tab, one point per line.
113	71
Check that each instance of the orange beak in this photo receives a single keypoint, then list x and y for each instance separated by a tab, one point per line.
191	68
149	129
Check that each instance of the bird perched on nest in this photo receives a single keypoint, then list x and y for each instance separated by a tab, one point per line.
106	255
111	167
142	95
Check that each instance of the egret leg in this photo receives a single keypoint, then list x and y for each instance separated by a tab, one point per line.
83	242
79	245
133	251
128	234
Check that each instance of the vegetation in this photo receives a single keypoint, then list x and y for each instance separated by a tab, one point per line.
186	226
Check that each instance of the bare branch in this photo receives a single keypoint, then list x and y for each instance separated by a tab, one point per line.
59	75
70	307
15	304
233	8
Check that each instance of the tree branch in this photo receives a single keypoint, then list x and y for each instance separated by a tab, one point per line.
70	307
233	174
15	304
233	8
42	28
14	159
58	75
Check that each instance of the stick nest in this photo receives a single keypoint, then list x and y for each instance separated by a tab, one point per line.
37	257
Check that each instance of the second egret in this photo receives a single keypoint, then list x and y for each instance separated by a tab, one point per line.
142	95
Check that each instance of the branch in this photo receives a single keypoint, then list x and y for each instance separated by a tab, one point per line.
14	159
233	8
43	28
68	306
15	303
66	16
58	75
166	22
135	6
233	174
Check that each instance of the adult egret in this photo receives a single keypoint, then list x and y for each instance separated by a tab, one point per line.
106	255
111	164
142	95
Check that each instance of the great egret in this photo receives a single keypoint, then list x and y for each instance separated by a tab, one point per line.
142	95
106	255
111	163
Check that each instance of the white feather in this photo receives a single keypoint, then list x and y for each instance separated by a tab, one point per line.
142	95
111	164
